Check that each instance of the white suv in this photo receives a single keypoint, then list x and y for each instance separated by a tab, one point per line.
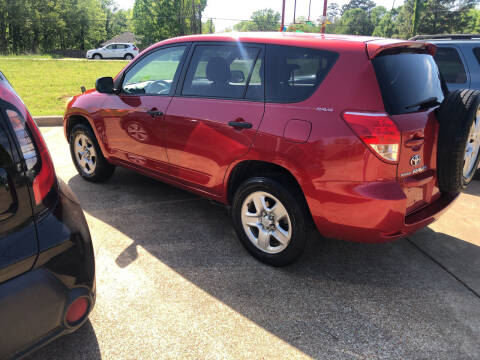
114	51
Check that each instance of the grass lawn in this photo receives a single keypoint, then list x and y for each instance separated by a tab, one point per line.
45	85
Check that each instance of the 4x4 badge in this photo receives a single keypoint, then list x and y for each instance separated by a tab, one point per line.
415	160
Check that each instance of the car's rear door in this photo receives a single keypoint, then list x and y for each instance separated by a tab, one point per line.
411	88
213	118
18	243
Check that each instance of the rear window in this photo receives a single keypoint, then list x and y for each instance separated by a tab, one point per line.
407	79
294	73
450	65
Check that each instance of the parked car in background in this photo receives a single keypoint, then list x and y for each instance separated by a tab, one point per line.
47	269
288	130
114	51
458	58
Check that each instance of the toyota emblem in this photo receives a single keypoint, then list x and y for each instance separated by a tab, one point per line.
415	160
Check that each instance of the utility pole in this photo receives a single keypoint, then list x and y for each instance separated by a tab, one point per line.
309	8
283	16
324	20
416	15
294	12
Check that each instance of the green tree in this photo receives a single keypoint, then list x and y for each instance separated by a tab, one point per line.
261	20
208	27
354	22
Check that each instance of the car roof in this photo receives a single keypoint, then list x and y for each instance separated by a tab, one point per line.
314	40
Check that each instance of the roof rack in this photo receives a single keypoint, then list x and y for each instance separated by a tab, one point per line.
447	37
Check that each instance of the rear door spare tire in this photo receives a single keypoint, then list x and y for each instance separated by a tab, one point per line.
458	139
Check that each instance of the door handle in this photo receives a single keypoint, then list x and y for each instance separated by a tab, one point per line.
154	113
414	143
240	124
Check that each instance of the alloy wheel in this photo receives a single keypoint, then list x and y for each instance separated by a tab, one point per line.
266	222
85	154
472	148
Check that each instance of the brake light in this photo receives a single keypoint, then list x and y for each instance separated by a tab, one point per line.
45	178
377	131
135	48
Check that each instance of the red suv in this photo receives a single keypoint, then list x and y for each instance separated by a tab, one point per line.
288	130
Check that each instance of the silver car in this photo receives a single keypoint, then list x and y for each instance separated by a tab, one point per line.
114	51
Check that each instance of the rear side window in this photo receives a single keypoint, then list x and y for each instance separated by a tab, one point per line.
223	71
476	52
450	65
407	79
294	73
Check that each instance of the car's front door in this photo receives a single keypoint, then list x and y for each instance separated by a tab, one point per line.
134	119
18	243
213	118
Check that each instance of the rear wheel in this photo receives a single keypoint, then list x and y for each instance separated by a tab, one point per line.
270	221
87	155
458	140
128	57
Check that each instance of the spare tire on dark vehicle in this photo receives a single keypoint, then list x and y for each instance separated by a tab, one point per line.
458	139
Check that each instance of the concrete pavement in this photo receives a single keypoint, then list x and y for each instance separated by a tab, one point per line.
174	282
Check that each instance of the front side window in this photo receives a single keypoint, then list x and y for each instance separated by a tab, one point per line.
222	71
451	66
154	73
294	73
110	47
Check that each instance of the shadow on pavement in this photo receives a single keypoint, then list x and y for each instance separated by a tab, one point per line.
461	258
473	188
80	344
342	299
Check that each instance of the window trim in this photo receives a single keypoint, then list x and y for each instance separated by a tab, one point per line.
464	63
181	82
175	81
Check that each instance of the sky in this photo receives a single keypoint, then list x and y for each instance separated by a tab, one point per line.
227	11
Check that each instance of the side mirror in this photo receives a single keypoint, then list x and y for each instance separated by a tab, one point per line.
237	76
104	85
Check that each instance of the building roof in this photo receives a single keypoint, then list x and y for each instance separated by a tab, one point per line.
126	37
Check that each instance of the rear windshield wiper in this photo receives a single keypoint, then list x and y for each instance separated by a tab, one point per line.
425	104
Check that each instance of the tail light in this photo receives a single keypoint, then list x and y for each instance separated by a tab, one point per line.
45	178
377	131
35	152
135	48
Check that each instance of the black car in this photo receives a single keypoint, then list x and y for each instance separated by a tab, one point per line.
47	267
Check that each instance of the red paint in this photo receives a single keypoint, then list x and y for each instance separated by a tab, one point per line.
351	192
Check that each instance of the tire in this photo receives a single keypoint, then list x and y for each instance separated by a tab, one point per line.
289	220
458	140
128	57
87	155
97	57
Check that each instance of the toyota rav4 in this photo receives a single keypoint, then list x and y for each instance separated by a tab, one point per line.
355	135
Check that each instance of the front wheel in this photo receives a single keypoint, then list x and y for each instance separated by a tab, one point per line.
270	221
97	57
87	155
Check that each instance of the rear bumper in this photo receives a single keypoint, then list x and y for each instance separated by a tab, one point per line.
370	212
33	306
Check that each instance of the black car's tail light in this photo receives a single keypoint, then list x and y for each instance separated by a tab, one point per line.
39	165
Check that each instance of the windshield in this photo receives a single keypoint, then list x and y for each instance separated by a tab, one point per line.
408	82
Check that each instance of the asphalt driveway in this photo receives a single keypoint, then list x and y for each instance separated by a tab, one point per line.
174	282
